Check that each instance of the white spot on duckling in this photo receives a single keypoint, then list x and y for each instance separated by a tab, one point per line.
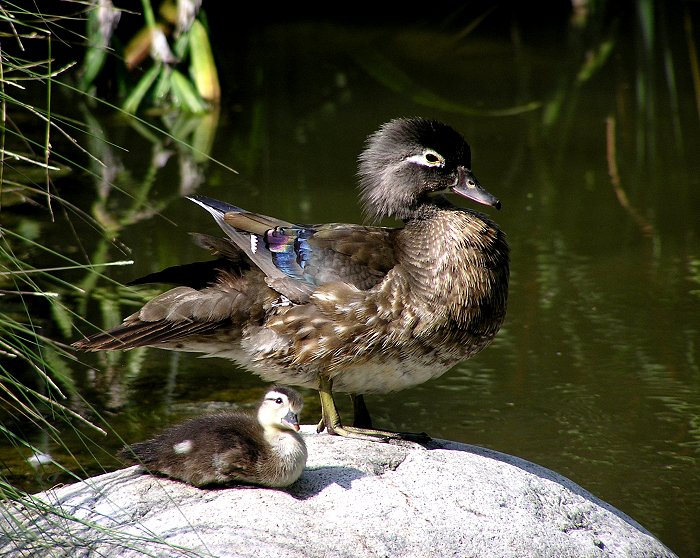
183	447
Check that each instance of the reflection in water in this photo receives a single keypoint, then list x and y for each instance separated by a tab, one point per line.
595	373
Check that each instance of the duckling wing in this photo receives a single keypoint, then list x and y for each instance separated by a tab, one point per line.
296	259
215	449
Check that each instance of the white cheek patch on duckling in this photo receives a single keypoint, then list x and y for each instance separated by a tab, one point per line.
183	447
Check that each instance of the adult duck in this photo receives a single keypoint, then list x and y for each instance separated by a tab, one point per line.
344	307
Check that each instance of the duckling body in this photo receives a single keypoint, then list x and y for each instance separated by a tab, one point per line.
231	448
343	307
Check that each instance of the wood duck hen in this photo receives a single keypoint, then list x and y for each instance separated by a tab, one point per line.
345	307
231	448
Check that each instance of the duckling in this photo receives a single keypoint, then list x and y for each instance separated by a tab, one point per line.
343	307
231	448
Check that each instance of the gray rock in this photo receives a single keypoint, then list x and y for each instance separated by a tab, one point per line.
355	499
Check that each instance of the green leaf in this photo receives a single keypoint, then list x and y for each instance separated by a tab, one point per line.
92	65
185	94
134	100
202	65
595	62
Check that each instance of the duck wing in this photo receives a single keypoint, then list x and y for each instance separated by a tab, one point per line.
296	259
293	260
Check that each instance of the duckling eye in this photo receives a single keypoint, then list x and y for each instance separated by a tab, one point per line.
278	400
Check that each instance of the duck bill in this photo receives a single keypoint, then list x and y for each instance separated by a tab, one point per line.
468	186
291	420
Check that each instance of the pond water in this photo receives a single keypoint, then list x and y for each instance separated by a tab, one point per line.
589	133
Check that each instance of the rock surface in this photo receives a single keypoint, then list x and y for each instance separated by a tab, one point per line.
355	499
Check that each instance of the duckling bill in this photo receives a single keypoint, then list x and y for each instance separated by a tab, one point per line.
343	307
231	448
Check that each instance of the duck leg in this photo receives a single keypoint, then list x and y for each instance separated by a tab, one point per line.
361	416
330	420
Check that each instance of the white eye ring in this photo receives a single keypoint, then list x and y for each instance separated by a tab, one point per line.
276	398
428	158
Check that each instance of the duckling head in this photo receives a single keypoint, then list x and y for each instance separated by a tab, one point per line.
408	160
280	409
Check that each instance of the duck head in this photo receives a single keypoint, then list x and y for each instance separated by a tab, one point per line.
409	160
280	409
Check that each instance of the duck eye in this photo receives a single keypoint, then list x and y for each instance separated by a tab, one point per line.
428	158
433	158
278	400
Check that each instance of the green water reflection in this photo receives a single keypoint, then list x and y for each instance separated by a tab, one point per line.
590	139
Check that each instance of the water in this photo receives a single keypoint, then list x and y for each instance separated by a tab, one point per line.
590	139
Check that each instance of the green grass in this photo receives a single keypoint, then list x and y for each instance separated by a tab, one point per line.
39	392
